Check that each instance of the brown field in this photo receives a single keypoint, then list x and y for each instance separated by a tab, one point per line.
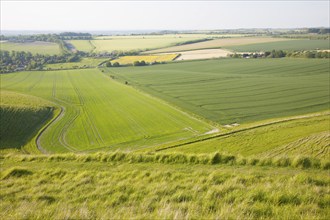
217	43
203	54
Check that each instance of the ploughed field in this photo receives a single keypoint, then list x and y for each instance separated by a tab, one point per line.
230	91
96	112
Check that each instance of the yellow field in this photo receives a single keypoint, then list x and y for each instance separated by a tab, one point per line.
148	59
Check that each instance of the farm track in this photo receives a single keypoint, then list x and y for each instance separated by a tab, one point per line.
241	130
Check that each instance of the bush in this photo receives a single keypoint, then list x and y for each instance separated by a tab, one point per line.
302	162
16	172
116	64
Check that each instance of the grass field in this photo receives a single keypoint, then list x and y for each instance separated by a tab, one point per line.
218	43
100	113
33	47
146	58
237	90
306	135
82	45
21	116
291	45
83	63
68	187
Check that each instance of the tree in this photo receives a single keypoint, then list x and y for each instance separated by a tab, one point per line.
108	64
136	63
116	64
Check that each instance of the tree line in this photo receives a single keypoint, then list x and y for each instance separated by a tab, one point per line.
281	53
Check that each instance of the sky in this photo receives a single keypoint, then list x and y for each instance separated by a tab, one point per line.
161	15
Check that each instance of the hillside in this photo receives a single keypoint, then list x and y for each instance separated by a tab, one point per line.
21	117
124	186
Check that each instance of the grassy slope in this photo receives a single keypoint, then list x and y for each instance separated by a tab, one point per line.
101	113
305	136
84	62
21	116
284	45
149	190
237	90
34	47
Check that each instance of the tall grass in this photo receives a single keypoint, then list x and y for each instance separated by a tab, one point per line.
302	162
159	186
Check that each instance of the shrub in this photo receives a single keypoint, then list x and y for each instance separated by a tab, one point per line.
16	172
302	162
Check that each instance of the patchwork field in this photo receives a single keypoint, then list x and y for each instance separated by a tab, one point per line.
218	43
39	47
231	91
139	42
147	58
100	113
291	45
83	63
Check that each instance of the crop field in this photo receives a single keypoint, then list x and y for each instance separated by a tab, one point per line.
184	37
218	43
100	113
231	91
127	43
203	54
21	116
33	47
159	187
146	58
82	45
83	63
292	45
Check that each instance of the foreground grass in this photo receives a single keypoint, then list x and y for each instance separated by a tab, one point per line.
87	189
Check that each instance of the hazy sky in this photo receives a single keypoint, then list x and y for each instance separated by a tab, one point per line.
160	15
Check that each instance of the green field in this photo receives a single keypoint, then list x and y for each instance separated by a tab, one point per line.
83	45
124	186
33	47
21	116
218	43
100	113
237	90
306	135
284	45
83	63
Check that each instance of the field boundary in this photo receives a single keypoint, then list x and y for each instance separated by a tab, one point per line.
216	158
